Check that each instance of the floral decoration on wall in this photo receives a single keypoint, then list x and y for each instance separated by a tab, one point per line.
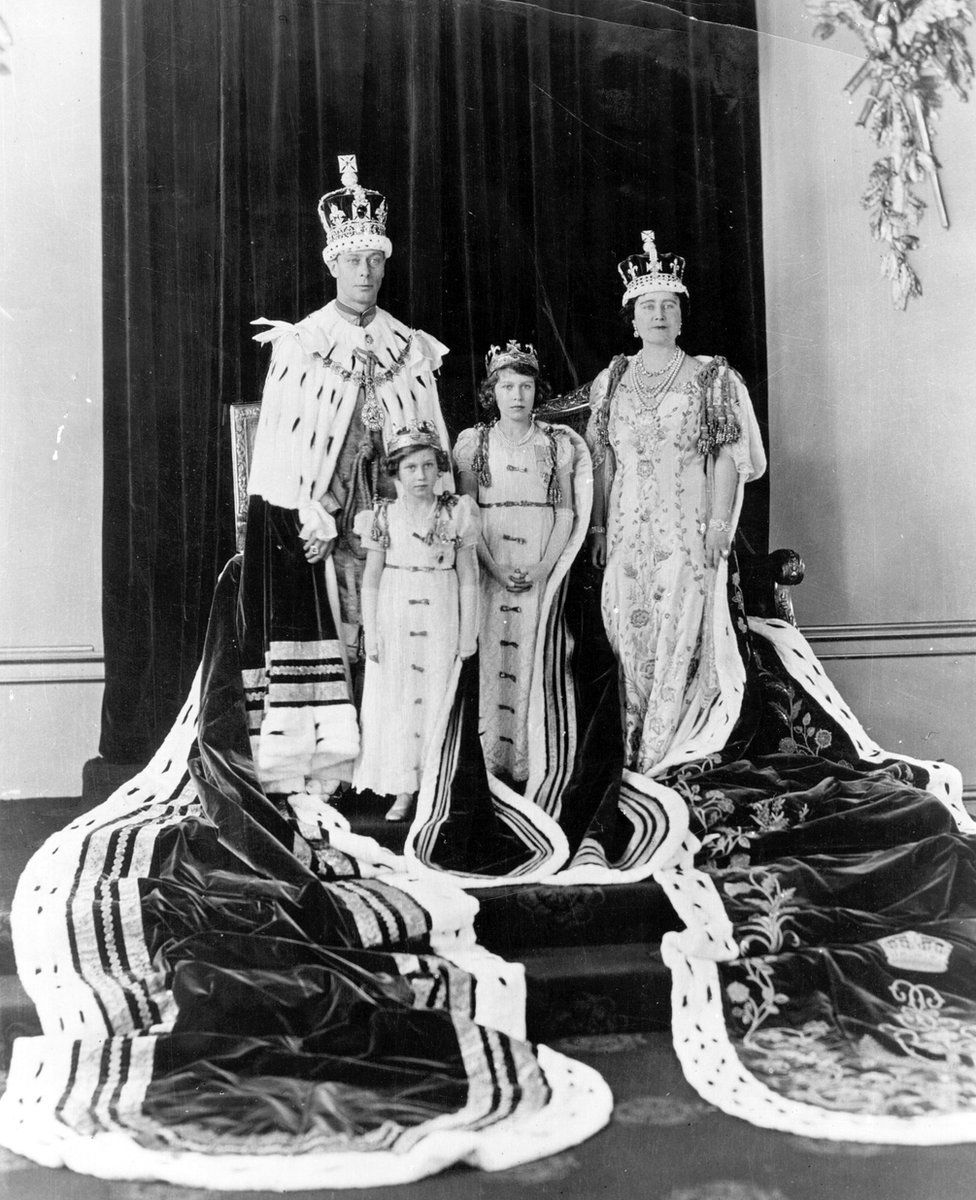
915	50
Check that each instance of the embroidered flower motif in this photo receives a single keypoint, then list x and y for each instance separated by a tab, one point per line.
737	992
787	746
639	618
823	739
773	912
815	1064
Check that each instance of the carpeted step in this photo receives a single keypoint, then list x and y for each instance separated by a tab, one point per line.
514	920
596	989
590	952
571	991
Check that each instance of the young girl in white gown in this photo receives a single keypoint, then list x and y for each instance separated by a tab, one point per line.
420	612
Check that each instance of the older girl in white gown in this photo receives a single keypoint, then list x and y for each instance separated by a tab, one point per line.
520	471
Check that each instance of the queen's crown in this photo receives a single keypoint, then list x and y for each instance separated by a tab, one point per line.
650	271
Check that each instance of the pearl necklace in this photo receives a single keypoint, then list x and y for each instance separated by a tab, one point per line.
513	443
664	370
651	393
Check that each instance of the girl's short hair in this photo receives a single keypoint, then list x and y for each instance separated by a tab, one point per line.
543	390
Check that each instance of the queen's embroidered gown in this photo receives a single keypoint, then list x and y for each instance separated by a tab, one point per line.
656	584
417	627
517	519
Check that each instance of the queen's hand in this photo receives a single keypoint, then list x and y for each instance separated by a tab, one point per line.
598	548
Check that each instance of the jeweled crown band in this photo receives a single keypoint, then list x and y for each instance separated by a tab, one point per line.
419	435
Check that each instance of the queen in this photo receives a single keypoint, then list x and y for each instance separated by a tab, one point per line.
674	440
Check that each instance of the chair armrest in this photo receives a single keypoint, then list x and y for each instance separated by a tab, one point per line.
767	581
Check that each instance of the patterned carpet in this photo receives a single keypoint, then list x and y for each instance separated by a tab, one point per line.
663	1144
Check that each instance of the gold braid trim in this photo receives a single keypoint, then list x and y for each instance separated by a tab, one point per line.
720	424
482	470
601	415
440	526
439	530
554	493
479	463
380	529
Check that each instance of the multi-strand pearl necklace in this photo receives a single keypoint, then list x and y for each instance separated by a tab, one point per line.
645	381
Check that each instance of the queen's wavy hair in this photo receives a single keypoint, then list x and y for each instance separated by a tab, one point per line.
391	463
486	392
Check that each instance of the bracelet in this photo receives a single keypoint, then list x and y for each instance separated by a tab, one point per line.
598	529
721	526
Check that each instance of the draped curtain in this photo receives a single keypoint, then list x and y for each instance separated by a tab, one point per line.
523	147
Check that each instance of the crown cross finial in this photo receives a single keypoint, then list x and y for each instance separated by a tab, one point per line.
348	170
650	246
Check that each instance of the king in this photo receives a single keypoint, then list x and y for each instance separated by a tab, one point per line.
339	383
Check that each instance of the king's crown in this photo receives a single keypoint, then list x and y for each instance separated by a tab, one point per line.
353	217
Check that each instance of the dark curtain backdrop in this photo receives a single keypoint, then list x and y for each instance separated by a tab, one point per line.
522	146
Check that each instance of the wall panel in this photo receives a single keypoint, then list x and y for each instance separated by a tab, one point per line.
50	397
872	410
